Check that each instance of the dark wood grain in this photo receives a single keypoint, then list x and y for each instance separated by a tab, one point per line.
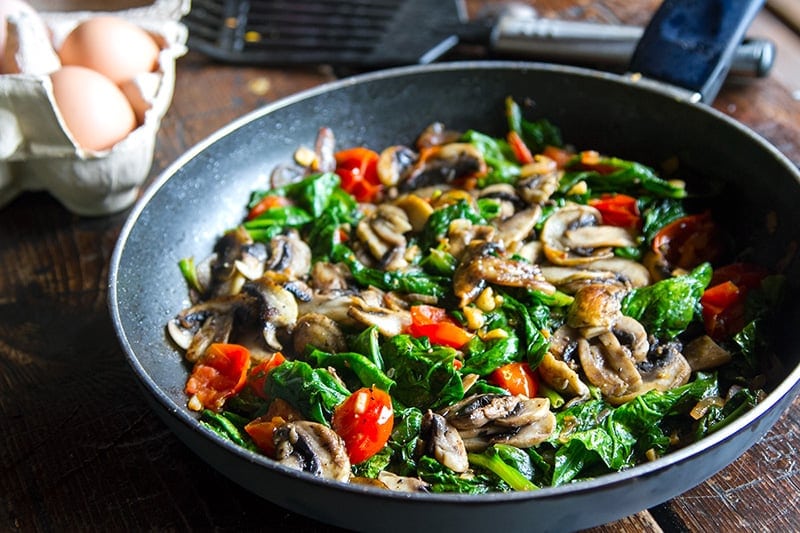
82	451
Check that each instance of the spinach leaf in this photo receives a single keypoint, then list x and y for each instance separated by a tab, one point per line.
439	221
595	433
536	134
229	426
315	392
483	357
620	175
400	451
666	308
502	166
442	479
286	216
413	281
367	343
311	193
323	231
492	461
367	372
424	374
657	213
531	320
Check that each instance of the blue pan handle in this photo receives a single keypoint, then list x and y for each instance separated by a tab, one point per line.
691	43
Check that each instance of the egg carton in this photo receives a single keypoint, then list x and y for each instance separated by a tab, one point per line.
37	152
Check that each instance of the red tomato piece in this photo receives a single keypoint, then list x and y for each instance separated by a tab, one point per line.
258	375
220	373
689	241
618	210
723	303
516	378
559	155
364	421
358	170
433	322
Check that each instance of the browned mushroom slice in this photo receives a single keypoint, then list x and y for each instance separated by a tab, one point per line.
402	483
595	305
461	232
324	149
417	210
289	255
538	180
196	327
224	277
312	447
389	322
541	424
436	134
275	308
704	354
515	229
665	368
479	267
561	377
394	164
329	277
599	371
484	419
318	331
442	441
383	233
443	164
631	273
573	236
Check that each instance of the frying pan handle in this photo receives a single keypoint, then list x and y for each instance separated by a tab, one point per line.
691	43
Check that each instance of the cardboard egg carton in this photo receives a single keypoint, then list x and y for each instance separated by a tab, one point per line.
36	150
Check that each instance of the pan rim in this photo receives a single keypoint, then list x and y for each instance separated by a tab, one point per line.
179	413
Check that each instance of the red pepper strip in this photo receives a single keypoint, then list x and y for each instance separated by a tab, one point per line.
516	378
520	149
221	372
618	210
358	169
559	155
723	309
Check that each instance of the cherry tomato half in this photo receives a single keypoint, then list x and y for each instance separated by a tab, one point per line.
358	169
516	378
221	372
689	241
364	421
258	375
433	322
618	210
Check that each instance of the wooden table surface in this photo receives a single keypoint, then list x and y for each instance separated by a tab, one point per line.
80	450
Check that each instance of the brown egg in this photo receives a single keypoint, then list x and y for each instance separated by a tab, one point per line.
112	46
94	109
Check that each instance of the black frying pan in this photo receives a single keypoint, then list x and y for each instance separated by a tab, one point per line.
203	193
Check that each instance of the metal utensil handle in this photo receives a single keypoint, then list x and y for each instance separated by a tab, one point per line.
608	44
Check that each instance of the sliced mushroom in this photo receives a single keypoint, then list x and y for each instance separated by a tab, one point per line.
275	308
600	371
383	233
595	305
289	255
225	279
443	164
631	273
312	447
480	266
402	483
665	368
329	277
573	236
196	327
561	377
389	322
436	134
703	353
516	229
394	164
462	232
538	180
484	419
318	331
417	210
440	440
